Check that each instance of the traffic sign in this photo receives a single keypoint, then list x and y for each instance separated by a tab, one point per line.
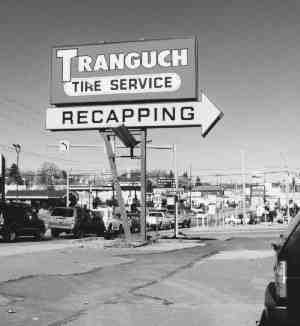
151	115
64	145
124	71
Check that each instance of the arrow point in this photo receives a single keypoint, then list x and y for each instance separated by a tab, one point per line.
213	115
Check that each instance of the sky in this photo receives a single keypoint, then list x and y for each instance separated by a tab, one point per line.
248	66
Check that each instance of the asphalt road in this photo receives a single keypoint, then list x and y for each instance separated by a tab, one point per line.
211	283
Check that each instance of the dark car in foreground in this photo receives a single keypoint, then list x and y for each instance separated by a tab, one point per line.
282	297
17	220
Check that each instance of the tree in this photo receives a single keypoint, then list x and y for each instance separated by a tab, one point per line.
49	173
14	175
198	181
171	174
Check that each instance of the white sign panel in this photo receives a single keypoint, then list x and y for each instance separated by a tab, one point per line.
152	115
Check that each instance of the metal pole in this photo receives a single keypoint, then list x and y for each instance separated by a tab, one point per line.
143	184
190	184
244	182
3	179
68	189
17	148
177	194
90	191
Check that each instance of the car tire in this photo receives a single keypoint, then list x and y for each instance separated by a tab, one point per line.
39	235
78	234
10	236
54	233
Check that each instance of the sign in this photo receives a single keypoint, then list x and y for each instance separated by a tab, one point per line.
171	200
126	71
166	182
64	146
181	114
257	191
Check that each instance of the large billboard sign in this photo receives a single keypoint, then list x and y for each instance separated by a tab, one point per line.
124	72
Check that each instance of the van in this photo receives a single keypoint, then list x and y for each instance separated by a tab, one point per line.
75	220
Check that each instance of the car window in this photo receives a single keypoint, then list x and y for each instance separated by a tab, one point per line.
291	251
294	239
65	212
292	225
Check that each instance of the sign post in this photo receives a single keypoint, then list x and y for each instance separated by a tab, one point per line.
143	216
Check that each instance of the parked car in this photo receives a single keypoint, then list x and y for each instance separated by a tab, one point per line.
184	221
18	219
76	220
155	219
282	296
169	221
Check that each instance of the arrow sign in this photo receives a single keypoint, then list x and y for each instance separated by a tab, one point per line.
147	115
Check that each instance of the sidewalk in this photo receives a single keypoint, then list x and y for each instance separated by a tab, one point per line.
241	227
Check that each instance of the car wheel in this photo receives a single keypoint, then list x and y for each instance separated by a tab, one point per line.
10	236
121	229
78	234
39	235
54	233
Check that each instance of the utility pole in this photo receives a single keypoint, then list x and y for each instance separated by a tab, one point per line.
177	193
244	182
190	184
68	189
3	163
143	184
17	148
286	183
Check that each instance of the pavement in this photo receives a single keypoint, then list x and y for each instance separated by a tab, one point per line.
228	231
92	282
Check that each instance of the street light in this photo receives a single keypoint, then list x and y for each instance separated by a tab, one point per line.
17	148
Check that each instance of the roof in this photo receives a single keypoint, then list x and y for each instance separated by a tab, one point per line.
35	194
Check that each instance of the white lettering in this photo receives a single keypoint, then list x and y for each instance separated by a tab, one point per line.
149	62
116	61
162	58
100	63
179	57
84	63
132	60
66	56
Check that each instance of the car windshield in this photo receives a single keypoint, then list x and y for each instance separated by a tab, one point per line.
60	211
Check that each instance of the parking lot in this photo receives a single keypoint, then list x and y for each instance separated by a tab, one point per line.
95	281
